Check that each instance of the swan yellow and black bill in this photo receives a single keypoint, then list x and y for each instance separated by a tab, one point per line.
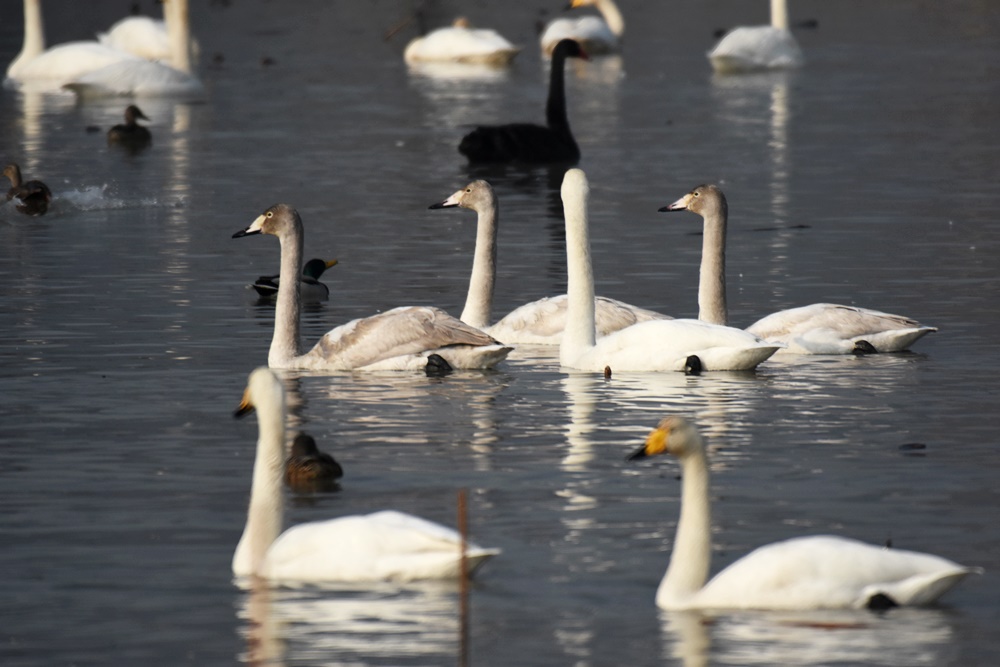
656	443
245	407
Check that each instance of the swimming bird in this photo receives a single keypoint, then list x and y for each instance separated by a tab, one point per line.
820	328
525	142
654	345
142	36
539	322
131	134
758	47
307	465
387	545
596	35
310	288
461	43
33	197
815	572
397	339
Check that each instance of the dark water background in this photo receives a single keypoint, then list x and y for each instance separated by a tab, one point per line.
868	177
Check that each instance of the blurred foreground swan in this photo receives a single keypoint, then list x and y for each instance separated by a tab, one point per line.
821	328
539	322
654	345
748	49
398	339
819	572
460	43
385	545
595	35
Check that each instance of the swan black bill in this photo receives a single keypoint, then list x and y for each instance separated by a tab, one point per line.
443	204
240	234
637	454
243	410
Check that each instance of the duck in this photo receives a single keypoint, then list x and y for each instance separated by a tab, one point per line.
597	36
383	546
819	328
131	134
655	345
755	48
461	43
307	465
539	322
403	338
552	143
311	289
33	197
137	77
39	69
801	573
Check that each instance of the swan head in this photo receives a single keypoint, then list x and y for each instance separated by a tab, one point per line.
705	200
477	196
673	435
263	387
273	221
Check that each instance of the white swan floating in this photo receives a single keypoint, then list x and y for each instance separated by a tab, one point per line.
655	345
820	328
398	339
754	48
142	36
539	322
384	546
819	572
597	35
460	43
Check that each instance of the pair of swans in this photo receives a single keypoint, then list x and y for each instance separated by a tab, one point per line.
754	48
405	338
461	43
597	35
386	545
820	328
816	572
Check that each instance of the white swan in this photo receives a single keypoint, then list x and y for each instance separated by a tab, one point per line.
461	43
655	345
595	35
818	572
144	78
821	328
386	545
758	47
539	322
142	36
38	69
398	339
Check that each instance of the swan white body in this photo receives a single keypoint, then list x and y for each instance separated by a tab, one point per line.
539	322
758	47
818	572
141	36
461	44
397	339
596	35
655	345
820	328
386	545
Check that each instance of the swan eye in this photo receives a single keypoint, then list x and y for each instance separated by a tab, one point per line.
270	214
696	193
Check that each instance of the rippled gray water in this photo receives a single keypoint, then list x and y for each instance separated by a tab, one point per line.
868	177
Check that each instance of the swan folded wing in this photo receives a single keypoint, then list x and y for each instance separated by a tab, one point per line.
826	327
461	45
612	315
65	63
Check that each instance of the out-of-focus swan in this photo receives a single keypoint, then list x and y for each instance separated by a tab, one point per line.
758	47
141	36
820	328
311	289
386	545
540	322
525	142
595	35
33	197
654	345
130	134
398	339
817	572
460	43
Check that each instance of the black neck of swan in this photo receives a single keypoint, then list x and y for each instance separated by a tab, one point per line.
555	107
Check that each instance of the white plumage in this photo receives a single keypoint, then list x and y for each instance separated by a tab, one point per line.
752	48
460	43
597	35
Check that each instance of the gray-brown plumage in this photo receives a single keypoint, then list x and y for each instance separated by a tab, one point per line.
33	197
130	134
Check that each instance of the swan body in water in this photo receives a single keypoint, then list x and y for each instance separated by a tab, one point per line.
816	572
597	35
384	546
654	345
539	322
460	43
398	339
820	328
754	48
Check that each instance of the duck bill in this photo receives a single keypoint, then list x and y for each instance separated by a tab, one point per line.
254	228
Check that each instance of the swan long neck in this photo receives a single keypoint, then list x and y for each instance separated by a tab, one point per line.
479	302
779	14
579	334
178	19
555	106
692	552
613	16
712	306
287	309
34	36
